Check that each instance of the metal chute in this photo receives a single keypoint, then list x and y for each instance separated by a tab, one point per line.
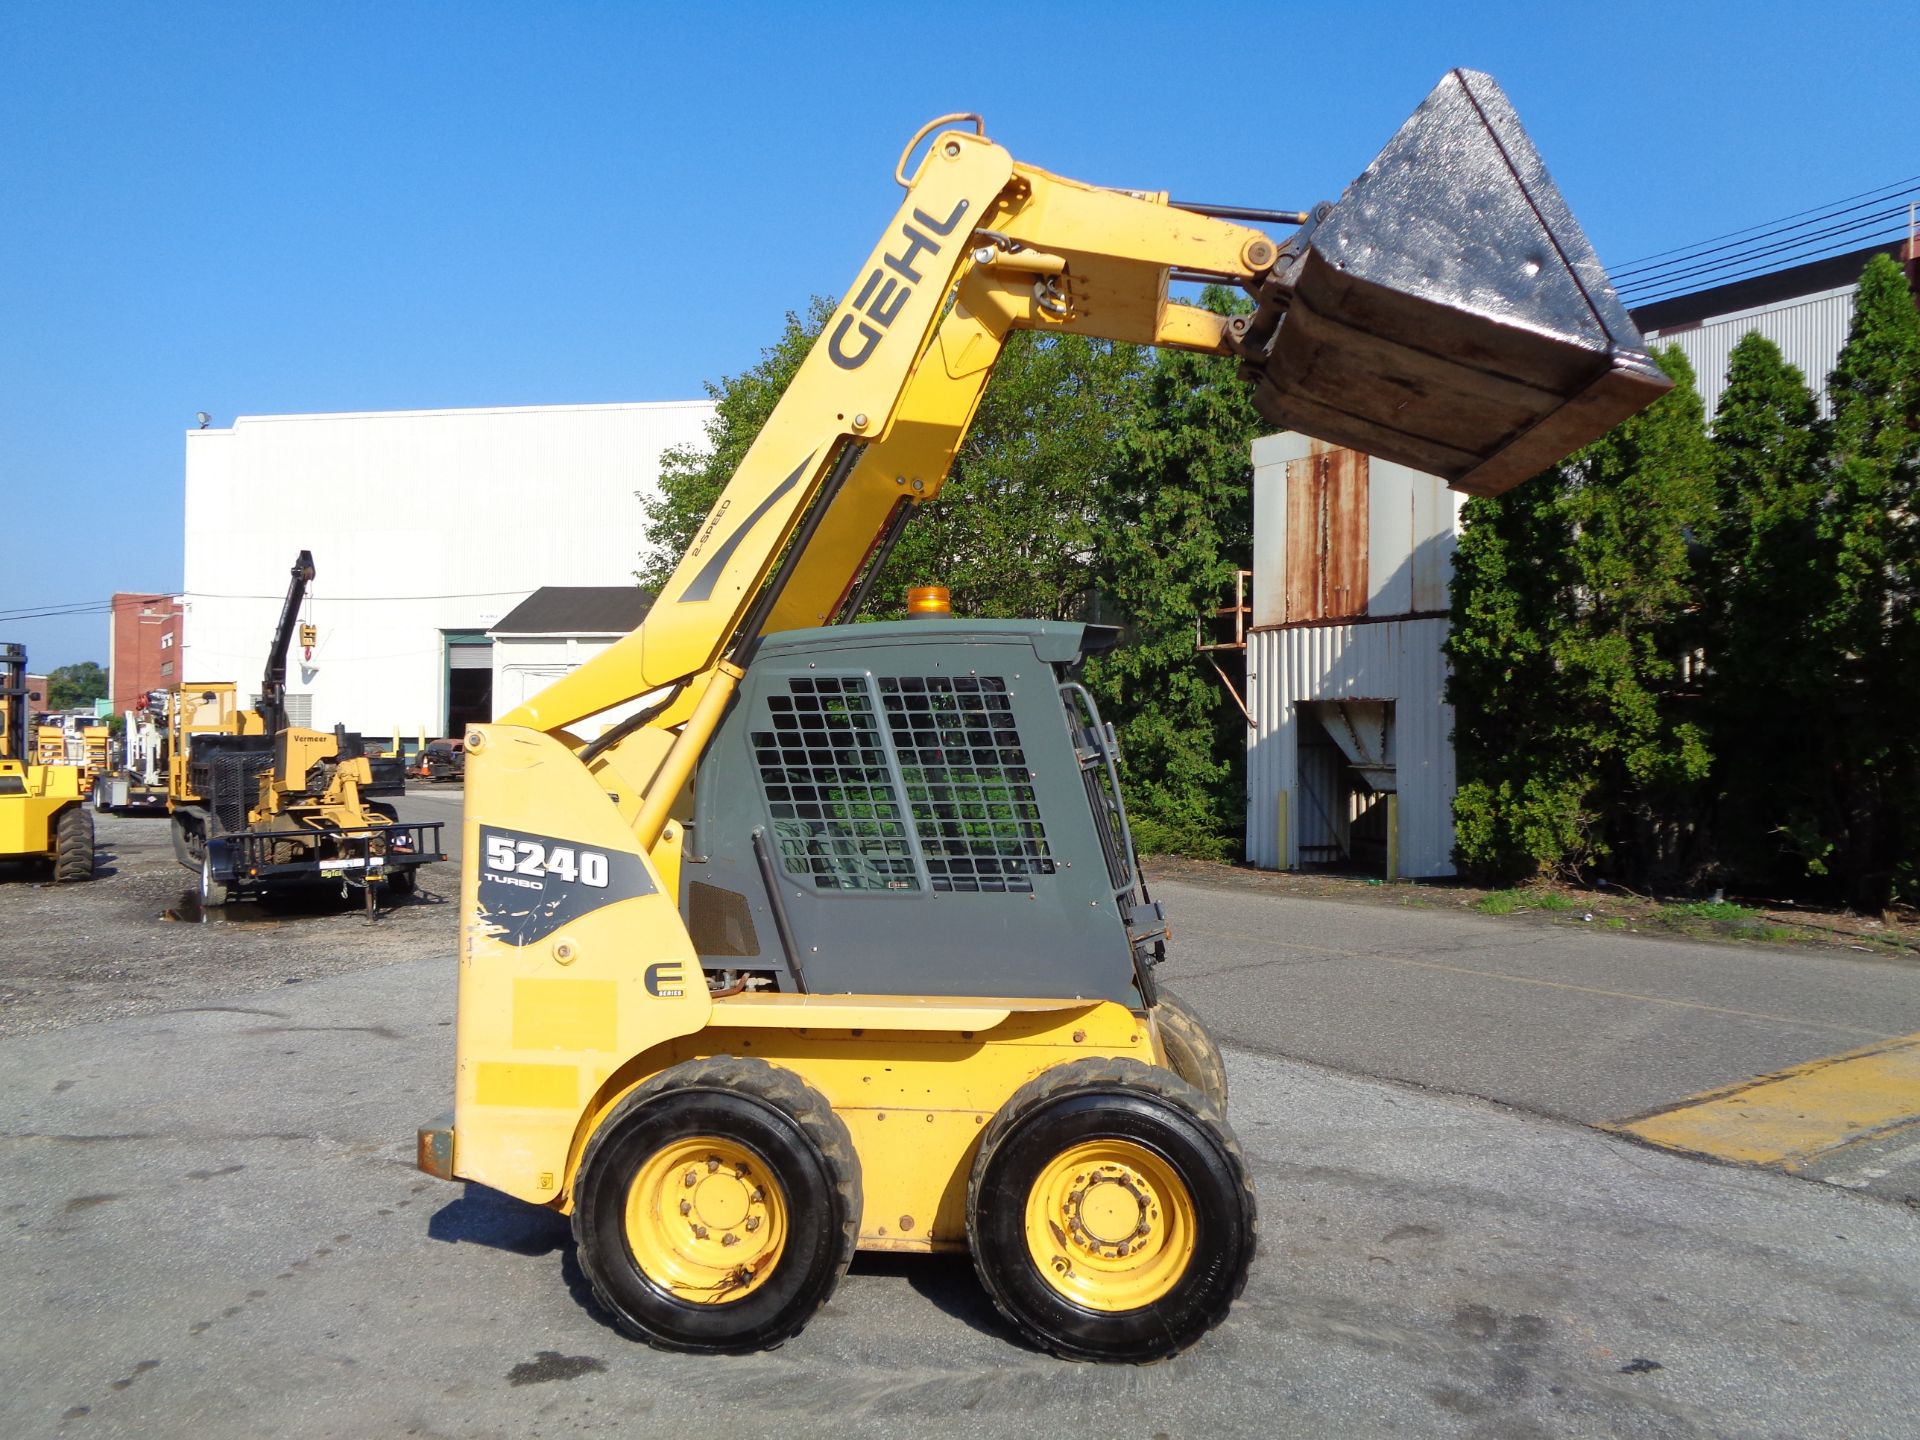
1448	313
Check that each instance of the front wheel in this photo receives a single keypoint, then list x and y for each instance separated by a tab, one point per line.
717	1207
73	846
1110	1212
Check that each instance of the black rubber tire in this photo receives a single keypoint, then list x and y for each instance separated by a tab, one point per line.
792	1129
1190	1049
1120	1099
212	893
73	846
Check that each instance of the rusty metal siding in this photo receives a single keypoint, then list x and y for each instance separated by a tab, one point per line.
1330	525
1326	563
1397	660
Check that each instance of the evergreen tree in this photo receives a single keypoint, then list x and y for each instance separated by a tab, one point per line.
1175	524
1869	524
1575	737
1522	803
1767	579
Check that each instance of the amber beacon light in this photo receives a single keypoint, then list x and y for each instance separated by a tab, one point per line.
925	600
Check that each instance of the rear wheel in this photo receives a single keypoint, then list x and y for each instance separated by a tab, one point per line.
717	1207
73	846
1110	1212
1190	1049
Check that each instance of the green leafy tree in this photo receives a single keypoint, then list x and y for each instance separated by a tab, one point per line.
1869	524
1014	529
73	686
1582	605
1175	523
1523	802
1767	574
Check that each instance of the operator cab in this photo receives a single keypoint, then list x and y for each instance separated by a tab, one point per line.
928	807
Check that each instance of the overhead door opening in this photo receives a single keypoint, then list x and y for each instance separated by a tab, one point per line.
469	681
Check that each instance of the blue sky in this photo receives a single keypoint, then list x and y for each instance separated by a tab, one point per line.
270	208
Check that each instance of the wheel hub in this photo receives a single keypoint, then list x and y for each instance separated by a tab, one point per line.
1110	1225
705	1220
1110	1208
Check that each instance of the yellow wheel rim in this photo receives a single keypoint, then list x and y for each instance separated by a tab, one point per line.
1110	1225
706	1220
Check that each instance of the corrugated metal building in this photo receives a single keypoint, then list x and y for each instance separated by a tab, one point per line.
1806	310
1345	677
426	527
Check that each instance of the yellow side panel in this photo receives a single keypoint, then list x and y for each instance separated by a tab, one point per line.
546	1018
565	1015
916	1102
534	1087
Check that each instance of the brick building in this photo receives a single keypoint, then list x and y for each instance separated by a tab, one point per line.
143	642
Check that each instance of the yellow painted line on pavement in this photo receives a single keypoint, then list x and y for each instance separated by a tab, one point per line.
1789	1117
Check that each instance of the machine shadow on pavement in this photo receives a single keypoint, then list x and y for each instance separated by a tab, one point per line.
949	1283
479	1216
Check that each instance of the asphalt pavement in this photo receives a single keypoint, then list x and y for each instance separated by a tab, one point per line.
1566	1021
214	1230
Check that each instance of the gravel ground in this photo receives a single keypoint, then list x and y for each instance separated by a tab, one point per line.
72	955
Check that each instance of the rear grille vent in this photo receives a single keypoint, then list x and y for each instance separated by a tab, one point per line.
837	815
968	786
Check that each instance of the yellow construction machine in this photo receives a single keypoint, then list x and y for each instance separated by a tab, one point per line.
43	813
263	807
838	940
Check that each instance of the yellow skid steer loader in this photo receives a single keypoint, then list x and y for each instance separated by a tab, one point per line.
837	941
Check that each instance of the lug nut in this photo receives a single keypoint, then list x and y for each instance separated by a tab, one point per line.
686	1207
729	1239
713	1164
691	1178
699	1232
753	1223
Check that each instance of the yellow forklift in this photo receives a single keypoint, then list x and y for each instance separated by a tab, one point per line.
839	941
261	807
43	813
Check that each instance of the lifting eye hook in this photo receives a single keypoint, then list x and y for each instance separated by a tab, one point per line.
900	169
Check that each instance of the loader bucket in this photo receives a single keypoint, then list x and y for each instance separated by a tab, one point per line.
1448	314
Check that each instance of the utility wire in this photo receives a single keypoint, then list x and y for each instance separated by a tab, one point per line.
1856	222
1761	268
1771	257
1808	217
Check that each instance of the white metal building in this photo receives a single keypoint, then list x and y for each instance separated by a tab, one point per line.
426	527
1806	310
555	631
1345	675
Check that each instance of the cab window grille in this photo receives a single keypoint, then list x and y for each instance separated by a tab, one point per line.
968	787
837	815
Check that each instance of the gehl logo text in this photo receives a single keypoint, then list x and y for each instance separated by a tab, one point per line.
882	296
